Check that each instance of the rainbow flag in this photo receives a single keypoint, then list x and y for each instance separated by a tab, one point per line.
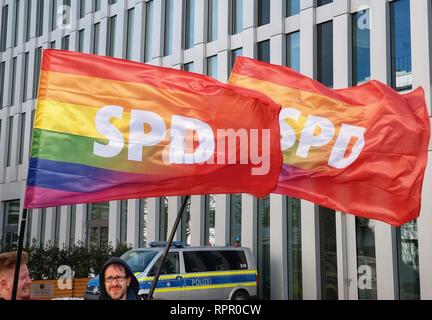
361	150
111	129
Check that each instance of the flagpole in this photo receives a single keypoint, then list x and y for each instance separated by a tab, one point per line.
168	245
19	253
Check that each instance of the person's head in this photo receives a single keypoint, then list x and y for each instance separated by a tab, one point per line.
7	270
117	282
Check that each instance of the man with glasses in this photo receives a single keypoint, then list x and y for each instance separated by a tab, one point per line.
117	281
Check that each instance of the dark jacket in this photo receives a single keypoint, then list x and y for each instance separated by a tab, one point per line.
133	288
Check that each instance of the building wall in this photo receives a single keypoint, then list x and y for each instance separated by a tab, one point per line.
12	176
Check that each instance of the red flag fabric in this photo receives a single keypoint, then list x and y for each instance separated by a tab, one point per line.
361	150
111	129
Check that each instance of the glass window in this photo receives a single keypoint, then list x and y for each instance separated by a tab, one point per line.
148	31
263	247
22	137
189	24
96	31
99	211
212	20
264	51
130	34
9	142
163	218
123	220
143	222
27	20
401	68
323	2
138	260
293	208
81	40
366	261
293	50
53	15
171	265
52	45
325	53
408	261
185	228
56	225
65	43
210	207
10	227
97	224
13	82
328	254
234	54
212	66
112	1
217	260
235	219
39	19
96	5
263	12
111	35
2	78
236	16
168	32
4	26
15	39
292	7
25	76
38	56
361	47
81	8
188	67
72	225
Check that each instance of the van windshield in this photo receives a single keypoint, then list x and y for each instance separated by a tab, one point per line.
138	260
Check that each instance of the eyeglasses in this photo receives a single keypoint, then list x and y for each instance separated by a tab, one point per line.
117	278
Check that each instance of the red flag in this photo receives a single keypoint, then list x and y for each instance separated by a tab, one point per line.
361	150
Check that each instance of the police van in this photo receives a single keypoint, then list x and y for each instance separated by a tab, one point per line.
191	273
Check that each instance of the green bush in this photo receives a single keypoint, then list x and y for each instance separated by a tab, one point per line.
45	260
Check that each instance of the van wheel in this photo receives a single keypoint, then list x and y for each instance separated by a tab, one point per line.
240	295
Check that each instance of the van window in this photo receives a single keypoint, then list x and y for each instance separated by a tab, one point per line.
204	261
138	260
171	265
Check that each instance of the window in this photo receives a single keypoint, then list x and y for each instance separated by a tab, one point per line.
81	40
16	18
27	20
9	142
264	51
185	228
234	54
328	253
65	43
39	18
212	66
263	247
112	1
10	228
148	31
38	56
4	30
169	13
292	7
53	15
13	84
263	12
123	220
212	20
188	67
81	8
408	261
210	231
323	2
96	5
22	137
189	24
142	241
2	78
325	53
111	35
235	219
214	260
72	223
25	76
361	47
129	37
236	16
163	218
293	212
171	265
52	45
366	262
293	50
96	31
56	225
400	36
97	224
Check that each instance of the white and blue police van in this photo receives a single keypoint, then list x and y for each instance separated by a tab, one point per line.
191	273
